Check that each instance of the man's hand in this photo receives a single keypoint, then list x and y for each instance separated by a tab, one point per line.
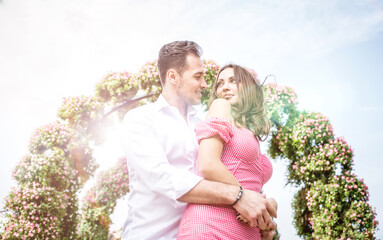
256	208
269	232
272	225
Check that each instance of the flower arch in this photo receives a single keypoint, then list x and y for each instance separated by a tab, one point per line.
331	203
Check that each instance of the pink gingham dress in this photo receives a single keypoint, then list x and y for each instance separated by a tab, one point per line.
241	155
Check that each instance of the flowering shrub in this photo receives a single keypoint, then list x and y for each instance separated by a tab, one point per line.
300	140
211	71
110	186
100	201
70	220
321	165
35	212
302	214
323	161
62	151
82	159
94	224
340	210
80	110
51	135
281	102
117	87
59	163
361	221
311	130
331	204
49	169
149	79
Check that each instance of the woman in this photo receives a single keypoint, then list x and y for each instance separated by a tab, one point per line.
229	152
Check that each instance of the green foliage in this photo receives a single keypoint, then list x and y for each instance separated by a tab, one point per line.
82	160
281	109
149	80
78	111
35	212
211	71
332	203
70	221
302	214
340	210
57	166
100	201
326	206
280	103
117	87
49	169
52	135
94	224
322	162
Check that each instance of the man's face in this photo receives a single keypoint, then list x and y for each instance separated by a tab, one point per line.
192	81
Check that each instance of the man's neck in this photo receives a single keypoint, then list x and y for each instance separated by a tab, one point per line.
175	101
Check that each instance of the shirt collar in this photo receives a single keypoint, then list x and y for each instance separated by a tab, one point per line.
161	103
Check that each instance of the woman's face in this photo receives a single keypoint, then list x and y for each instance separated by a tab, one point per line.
227	86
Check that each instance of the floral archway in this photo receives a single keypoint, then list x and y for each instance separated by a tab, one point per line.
331	201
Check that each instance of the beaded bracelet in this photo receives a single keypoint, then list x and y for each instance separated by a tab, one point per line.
239	195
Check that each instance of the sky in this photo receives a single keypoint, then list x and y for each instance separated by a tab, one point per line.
328	51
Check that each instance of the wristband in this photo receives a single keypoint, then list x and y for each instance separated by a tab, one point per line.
239	196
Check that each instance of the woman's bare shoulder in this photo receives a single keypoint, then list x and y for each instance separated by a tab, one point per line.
220	108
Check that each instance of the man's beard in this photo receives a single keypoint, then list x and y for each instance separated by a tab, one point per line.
185	97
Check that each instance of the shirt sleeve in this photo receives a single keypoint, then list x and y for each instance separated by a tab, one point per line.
214	127
147	158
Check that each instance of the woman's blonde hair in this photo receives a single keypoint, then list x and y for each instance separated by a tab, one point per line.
249	111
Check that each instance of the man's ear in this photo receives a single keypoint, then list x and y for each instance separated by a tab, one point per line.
172	76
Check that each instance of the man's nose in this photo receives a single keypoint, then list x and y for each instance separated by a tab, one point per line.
203	84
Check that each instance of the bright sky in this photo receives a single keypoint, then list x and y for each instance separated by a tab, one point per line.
329	51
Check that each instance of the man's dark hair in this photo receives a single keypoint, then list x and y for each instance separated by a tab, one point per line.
173	55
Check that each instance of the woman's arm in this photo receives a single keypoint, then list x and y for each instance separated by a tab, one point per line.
209	162
210	149
209	158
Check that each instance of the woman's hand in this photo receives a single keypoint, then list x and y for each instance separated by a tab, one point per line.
269	234
272	224
270	231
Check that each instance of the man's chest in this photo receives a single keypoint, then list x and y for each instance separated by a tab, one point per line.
178	140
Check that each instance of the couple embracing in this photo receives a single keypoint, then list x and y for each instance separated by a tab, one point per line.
192	178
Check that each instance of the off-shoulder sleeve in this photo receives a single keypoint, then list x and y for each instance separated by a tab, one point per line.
214	127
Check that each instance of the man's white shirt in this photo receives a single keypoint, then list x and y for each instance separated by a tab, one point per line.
160	147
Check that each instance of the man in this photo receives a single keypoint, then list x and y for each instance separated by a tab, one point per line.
160	144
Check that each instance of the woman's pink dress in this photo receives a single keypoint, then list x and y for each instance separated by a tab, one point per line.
241	155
